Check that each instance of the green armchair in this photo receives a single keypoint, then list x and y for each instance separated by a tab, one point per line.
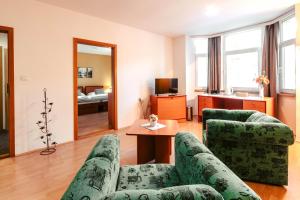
252	144
196	175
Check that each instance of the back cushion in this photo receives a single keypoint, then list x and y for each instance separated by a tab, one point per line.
209	170
186	146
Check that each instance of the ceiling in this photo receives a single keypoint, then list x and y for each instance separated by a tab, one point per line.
180	17
83	48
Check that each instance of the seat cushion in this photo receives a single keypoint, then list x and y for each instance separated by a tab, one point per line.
184	192
147	176
262	117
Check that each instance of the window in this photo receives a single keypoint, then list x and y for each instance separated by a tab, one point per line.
242	58
201	51
287	57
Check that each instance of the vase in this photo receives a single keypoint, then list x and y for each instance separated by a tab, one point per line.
261	91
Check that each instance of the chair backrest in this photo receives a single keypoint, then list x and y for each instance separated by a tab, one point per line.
235	115
195	164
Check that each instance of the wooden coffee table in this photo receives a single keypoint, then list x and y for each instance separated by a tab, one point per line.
154	145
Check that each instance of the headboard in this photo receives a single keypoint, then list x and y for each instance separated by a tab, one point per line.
89	89
80	88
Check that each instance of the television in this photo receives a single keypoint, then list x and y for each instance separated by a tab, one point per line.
166	86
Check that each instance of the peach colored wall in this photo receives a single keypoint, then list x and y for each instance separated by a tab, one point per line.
287	111
44	58
101	65
297	12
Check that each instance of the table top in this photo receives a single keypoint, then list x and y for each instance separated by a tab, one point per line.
170	130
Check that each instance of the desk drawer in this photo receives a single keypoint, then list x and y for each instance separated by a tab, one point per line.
254	105
204	102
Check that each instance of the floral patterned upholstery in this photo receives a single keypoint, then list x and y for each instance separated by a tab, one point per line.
186	192
204	168
196	175
147	176
255	148
99	174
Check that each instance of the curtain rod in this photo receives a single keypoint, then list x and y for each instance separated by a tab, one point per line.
280	17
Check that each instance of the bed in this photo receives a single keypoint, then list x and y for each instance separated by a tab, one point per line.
92	99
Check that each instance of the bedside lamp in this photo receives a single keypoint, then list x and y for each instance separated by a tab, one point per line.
107	88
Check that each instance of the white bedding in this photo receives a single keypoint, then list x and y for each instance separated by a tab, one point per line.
92	98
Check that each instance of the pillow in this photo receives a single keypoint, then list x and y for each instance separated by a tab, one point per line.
91	94
262	117
255	117
99	91
79	93
268	119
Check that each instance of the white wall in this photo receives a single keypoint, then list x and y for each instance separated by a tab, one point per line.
185	68
43	58
179	61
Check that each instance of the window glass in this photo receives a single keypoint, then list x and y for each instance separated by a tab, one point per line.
289	69
287	58
242	59
201	45
202	73
289	29
243	40
242	69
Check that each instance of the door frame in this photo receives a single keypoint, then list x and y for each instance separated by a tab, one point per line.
113	47
10	52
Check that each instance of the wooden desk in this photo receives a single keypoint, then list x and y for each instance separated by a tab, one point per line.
154	144
265	105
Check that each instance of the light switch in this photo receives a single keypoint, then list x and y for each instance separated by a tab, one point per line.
23	78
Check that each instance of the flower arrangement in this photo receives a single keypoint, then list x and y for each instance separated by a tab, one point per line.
153	120
262	79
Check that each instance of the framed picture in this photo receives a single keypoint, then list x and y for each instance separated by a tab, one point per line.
89	72
85	72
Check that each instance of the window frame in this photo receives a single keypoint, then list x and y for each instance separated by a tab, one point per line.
282	44
201	55
257	50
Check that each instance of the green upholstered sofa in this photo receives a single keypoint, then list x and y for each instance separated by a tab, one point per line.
196	175
252	144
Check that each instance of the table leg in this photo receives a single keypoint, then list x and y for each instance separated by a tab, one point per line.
163	149
145	149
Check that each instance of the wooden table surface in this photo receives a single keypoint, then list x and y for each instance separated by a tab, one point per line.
170	129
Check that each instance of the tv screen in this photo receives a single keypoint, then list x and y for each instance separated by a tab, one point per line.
166	85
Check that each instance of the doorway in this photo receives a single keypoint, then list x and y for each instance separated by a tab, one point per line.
7	139
95	87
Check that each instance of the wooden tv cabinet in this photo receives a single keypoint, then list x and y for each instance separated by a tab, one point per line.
265	105
169	107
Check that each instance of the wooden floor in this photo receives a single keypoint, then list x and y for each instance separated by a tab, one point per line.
38	177
92	123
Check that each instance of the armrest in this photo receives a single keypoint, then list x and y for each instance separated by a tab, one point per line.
96	178
267	133
235	115
99	174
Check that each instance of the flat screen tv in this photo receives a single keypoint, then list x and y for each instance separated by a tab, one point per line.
166	86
